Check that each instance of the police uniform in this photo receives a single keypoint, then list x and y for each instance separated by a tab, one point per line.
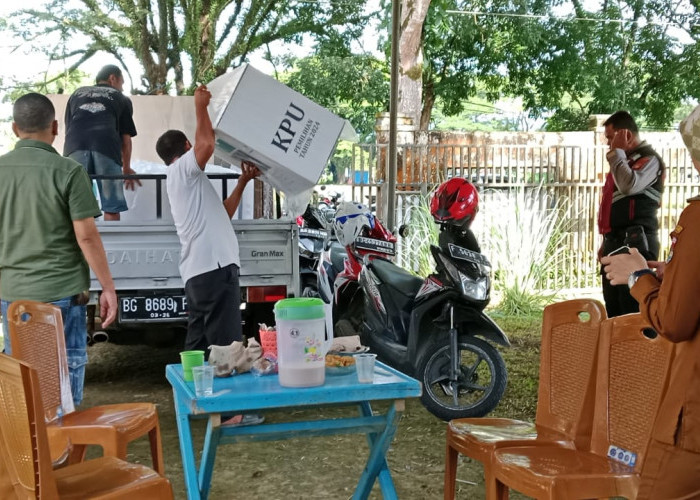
672	466
630	202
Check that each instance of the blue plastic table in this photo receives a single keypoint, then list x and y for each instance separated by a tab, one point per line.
247	393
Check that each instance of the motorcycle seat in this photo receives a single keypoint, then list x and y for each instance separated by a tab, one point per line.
338	255
406	283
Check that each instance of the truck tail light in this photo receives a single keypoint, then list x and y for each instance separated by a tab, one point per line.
266	293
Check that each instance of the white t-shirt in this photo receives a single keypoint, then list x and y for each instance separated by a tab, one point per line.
206	235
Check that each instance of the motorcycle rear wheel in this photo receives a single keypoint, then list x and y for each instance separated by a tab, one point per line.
481	381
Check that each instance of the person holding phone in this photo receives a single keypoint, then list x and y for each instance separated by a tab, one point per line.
669	300
630	202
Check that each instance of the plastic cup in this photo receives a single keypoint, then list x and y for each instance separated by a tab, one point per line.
190	359
203	376
365	367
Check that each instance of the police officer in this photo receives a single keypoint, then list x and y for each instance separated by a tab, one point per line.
630	202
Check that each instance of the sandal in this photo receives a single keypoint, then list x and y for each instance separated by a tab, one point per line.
243	420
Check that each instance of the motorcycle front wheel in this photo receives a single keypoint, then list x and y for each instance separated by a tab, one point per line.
480	383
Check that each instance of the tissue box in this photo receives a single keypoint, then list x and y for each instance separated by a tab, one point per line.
259	119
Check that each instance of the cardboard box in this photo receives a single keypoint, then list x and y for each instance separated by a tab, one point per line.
257	118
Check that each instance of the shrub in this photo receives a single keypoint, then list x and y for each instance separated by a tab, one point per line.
525	241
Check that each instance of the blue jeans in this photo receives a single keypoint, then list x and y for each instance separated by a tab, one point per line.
111	190
75	330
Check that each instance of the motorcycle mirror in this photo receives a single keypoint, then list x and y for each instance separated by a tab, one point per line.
403	230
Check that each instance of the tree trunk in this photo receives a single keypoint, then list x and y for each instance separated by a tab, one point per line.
413	14
428	103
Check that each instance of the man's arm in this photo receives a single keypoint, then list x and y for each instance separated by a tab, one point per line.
204	135
91	244
672	306
126	162
248	172
632	181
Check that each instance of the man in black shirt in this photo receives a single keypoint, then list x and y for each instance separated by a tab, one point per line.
99	128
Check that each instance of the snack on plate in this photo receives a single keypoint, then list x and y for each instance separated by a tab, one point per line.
335	361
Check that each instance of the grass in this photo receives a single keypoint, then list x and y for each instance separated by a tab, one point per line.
523	362
118	373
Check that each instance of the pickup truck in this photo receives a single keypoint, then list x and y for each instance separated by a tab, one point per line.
143	258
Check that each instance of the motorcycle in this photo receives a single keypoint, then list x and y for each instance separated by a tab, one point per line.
427	327
340	270
312	237
328	204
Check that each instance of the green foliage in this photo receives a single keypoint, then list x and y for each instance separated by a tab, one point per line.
638	55
567	119
684	110
460	52
64	83
479	113
524	244
355	87
591	63
169	37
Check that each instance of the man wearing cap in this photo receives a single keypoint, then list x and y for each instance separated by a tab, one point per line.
99	128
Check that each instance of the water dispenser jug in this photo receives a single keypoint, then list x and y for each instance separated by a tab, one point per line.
301	341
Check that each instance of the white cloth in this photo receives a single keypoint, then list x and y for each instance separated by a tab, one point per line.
206	235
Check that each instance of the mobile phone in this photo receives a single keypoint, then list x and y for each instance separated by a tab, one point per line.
617	251
637	238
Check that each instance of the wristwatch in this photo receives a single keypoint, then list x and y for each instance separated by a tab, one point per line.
634	276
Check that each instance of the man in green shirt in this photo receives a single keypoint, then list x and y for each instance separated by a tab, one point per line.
48	236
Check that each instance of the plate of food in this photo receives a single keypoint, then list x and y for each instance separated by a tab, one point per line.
339	365
347	346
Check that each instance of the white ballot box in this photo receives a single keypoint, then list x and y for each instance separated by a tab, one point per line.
259	119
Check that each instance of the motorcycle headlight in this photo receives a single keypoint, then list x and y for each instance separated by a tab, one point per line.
476	289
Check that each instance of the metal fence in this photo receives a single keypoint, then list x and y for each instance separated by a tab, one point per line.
520	186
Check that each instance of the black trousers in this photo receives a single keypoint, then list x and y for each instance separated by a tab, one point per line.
214	303
618	299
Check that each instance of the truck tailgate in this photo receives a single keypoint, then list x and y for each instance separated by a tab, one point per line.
145	256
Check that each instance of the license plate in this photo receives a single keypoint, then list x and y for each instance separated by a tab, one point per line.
312	233
152	308
375	245
465	254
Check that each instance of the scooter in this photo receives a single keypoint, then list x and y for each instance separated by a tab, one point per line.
339	274
312	237
428	327
328	203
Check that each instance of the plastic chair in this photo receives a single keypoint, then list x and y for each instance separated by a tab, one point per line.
568	350
25	449
632	376
36	335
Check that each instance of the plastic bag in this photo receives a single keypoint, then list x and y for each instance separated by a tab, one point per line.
266	365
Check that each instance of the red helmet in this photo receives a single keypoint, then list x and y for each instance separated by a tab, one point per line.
455	202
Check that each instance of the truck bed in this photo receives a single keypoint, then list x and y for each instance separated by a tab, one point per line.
145	256
143	259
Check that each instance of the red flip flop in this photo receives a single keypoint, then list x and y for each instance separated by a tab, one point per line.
243	420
